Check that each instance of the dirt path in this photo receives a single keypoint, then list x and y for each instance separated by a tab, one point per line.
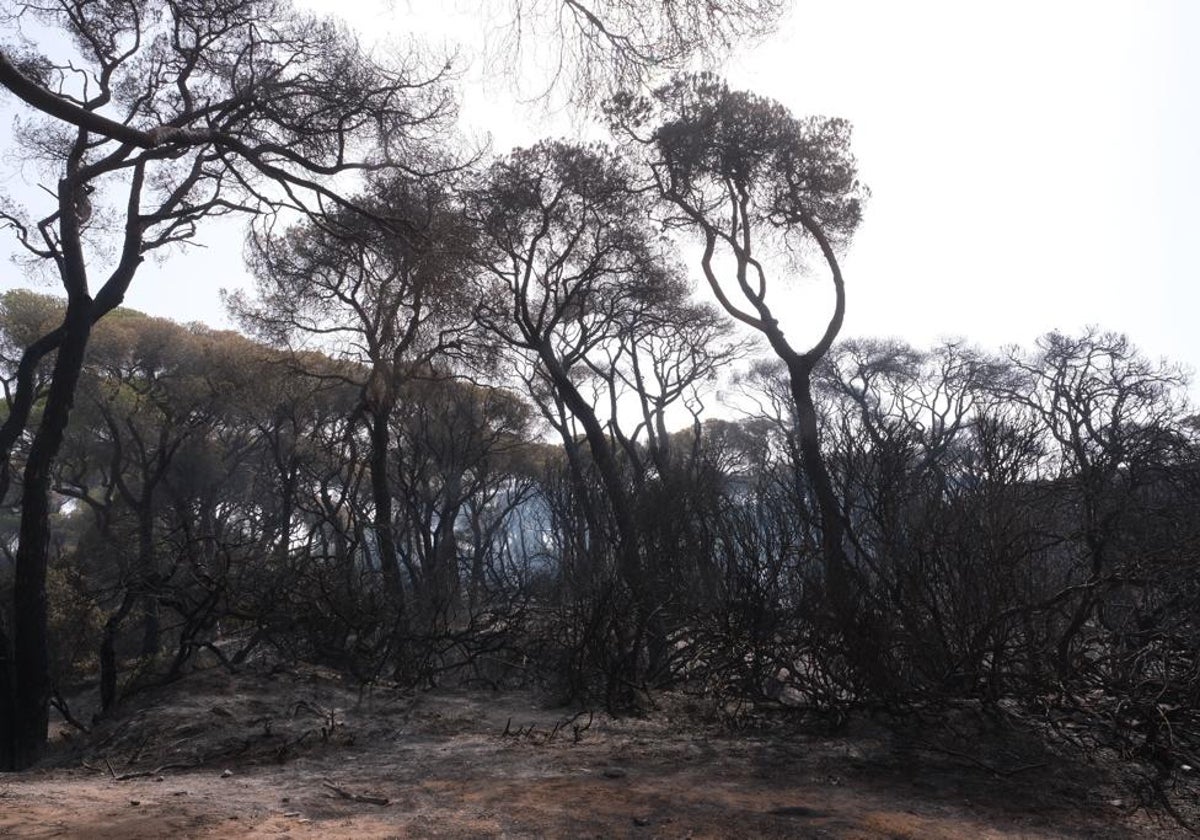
280	757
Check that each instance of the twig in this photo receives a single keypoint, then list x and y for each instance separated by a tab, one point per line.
124	777
983	764
576	729
519	732
356	797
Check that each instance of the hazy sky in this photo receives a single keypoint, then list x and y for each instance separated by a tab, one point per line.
1033	165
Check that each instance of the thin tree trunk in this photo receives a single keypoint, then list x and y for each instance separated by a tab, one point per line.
629	554
475	589
148	581
445	572
381	492
108	653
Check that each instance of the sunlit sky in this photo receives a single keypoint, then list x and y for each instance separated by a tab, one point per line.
1033	164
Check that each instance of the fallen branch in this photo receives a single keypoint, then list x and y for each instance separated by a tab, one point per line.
139	774
356	797
59	702
996	771
157	771
519	732
576	729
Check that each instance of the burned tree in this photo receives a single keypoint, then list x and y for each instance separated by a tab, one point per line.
156	116
749	179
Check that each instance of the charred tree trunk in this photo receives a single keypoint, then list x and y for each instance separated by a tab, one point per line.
381	492
8	697
23	399
108	653
148	579
445	578
833	531
642	586
628	554
27	726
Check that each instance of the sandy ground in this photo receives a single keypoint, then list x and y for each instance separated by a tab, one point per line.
297	754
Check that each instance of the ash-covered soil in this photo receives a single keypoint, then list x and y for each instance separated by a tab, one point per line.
298	753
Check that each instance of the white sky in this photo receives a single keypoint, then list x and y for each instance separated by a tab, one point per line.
1034	164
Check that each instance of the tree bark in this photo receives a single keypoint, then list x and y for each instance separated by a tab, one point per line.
628	553
640	580
28	725
381	492
148	581
108	653
833	531
8	709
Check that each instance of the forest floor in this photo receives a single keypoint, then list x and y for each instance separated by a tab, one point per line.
299	754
